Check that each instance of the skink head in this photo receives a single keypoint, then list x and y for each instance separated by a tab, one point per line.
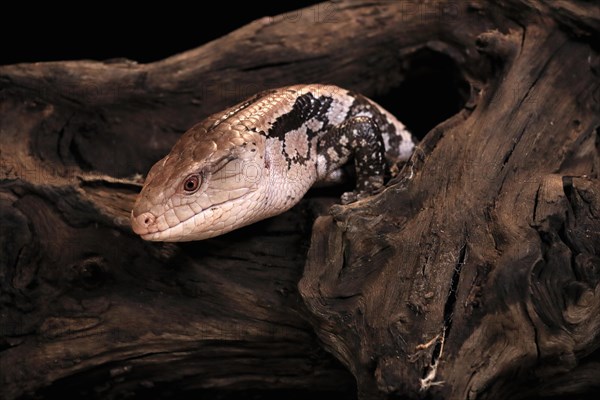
210	183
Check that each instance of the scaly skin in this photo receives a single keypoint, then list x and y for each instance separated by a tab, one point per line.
258	158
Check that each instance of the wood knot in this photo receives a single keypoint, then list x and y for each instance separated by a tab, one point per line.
498	45
91	272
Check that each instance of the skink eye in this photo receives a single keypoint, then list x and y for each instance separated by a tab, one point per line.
191	183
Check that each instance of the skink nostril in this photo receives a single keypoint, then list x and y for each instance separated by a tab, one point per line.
146	219
142	223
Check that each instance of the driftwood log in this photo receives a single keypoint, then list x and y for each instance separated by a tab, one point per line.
474	275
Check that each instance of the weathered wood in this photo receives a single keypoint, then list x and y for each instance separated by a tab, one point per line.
474	275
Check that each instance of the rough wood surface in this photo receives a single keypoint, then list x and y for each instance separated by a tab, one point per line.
475	275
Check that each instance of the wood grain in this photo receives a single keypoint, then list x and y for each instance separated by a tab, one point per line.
474	275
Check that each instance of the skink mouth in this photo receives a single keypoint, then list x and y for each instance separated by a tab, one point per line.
151	237
147	225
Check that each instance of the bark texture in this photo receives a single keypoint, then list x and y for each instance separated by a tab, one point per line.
474	275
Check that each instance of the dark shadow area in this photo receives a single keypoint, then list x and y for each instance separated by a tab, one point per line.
101	32
173	392
433	91
98	384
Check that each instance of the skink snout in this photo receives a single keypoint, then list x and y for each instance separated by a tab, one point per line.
142	223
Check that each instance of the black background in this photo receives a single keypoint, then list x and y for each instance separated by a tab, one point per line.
100	32
433	90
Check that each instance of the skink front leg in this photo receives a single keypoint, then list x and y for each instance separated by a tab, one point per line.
358	138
